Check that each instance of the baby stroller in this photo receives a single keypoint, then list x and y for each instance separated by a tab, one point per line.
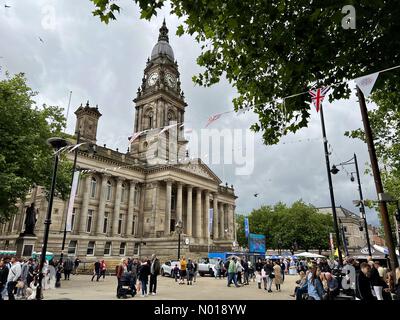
126	286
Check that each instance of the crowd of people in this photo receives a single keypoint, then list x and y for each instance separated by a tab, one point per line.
323	279
19	278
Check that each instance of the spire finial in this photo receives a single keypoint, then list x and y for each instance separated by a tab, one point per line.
163	32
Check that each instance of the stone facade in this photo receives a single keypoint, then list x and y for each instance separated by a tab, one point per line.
129	204
351	222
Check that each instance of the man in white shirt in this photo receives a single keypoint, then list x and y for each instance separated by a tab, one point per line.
13	276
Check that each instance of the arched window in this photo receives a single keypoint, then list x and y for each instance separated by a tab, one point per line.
149	119
93	185
108	191
171	116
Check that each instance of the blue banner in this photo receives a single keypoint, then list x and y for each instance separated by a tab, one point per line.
257	243
246	227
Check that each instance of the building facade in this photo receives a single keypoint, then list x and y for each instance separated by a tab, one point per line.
137	202
353	228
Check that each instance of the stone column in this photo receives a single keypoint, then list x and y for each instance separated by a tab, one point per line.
179	203
129	218
102	204
189	222
230	221
221	220
198	214
167	228
85	205
117	205
215	217
207	217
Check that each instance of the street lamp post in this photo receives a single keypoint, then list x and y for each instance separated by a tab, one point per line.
178	227
335	170
335	221
72	179
56	143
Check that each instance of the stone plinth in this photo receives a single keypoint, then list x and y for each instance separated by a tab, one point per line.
25	245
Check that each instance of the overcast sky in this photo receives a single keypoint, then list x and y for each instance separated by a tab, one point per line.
104	64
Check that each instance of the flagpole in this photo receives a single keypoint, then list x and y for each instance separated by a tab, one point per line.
328	166
378	181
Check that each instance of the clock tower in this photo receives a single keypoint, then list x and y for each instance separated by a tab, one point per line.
159	103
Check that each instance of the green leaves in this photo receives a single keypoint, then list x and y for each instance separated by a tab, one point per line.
274	49
283	226
25	157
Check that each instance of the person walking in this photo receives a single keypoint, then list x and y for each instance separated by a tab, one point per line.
232	270
196	268
246	274
3	277
218	269
120	269
68	266
14	275
143	274
96	270
182	270
239	270
103	269
278	279
154	272
283	270
190	272
77	261
269	275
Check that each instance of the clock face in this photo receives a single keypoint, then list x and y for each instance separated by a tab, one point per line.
170	80
153	78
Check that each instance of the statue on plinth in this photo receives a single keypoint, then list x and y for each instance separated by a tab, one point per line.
30	220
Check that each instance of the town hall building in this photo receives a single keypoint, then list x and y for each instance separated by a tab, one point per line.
137	203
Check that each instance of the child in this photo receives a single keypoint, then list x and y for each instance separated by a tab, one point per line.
258	279
176	273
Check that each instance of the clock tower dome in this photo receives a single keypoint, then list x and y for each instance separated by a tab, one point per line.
160	103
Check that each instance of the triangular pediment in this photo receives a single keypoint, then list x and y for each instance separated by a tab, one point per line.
199	168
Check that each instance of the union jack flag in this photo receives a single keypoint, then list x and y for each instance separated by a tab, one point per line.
318	95
213	118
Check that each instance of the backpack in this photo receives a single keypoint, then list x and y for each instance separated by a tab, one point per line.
226	264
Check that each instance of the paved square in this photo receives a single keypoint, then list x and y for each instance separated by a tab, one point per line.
206	288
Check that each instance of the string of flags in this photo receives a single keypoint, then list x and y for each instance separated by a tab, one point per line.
365	83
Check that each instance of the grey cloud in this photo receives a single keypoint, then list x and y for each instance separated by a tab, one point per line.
104	64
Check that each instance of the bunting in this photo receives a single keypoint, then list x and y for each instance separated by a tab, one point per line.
318	95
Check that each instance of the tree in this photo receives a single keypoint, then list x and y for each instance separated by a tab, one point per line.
300	226
25	158
273	49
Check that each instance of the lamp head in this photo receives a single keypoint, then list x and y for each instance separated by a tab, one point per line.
334	169
57	143
352	177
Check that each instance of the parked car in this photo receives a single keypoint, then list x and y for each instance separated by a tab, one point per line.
207	266
167	268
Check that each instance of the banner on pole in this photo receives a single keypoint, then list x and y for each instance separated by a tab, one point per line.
331	242
246	227
366	83
71	201
210	221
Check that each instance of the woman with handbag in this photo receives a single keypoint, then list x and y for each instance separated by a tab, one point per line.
277	275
